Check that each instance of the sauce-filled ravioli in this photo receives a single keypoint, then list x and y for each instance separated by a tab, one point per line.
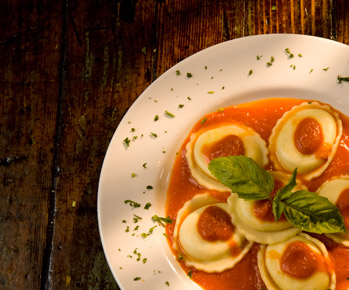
337	191
206	237
235	139
306	138
302	262
255	219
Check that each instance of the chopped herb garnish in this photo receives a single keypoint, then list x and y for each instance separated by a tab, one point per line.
127	141
152	229
124	221
137	278
326	68
127	229
165	235
180	257
180	106
161	220
167	283
144	235
147	205
250	72
144	50
189	75
136	228
178	72
190	273
133	129
153	135
156	117
223	88
290	54
133	175
311	71
144	165
342	79
189	98
144	260
132	203
136	218
167	113
205	67
149	187
273	8
300	55
210	92
259	57
203	120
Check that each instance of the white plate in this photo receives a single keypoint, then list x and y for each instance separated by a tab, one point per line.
220	77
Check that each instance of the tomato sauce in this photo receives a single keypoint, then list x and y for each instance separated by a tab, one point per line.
262	117
308	136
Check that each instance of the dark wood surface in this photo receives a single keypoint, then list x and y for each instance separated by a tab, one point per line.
69	71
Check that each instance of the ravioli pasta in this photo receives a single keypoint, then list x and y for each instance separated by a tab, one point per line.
216	234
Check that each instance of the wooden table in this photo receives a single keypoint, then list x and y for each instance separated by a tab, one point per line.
69	71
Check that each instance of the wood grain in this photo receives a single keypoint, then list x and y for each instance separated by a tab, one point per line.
69	71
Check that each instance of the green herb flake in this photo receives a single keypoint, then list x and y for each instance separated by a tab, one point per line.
136	218
259	57
147	205
190	274
136	228
133	175
153	135
144	235
144	260
189	98
132	203
273	8
210	92
156	117
133	129
189	75
290	54
205	67
124	221
167	113
250	72
127	229
203	120
144	50
300	55
178	72
167	283
342	79
144	165
161	220
127	141
180	106
311	71
137	278
180	257
152	229
326	68
165	235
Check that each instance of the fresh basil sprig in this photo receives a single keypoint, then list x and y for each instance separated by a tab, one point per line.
243	176
303	209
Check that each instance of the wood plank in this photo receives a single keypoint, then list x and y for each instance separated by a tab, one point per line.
109	64
29	58
340	18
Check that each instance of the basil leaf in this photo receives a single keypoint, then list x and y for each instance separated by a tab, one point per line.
313	213
283	193
243	176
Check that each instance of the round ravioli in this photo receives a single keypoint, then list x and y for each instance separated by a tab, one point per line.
306	138
302	262
236	139
255	219
337	192
206	237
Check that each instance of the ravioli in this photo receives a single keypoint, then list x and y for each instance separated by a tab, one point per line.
337	192
235	139
306	138
255	220
302	262
206	237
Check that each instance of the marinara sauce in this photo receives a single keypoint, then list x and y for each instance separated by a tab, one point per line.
261	116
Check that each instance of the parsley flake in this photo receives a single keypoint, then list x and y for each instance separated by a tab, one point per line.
167	113
137	278
178	72
153	135
250	72
136	218
132	203
147	205
203	120
156	117
180	106
290	54
127	141
189	75
326	68
342	79
167	283
149	187
161	220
